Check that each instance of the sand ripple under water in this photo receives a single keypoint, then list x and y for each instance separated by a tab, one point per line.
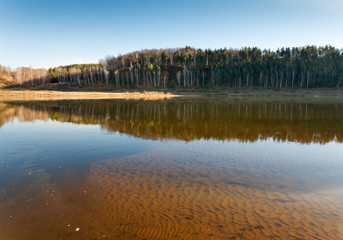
145	197
177	194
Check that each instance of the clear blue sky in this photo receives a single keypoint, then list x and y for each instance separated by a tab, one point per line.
47	33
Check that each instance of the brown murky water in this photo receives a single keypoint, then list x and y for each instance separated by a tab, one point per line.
171	170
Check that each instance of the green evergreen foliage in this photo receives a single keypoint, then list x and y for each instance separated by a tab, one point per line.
303	67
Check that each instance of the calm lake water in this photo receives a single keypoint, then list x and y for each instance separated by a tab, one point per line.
175	169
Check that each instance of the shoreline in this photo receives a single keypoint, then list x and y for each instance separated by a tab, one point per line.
48	95
273	95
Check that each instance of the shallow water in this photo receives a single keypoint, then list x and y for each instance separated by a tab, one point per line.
170	170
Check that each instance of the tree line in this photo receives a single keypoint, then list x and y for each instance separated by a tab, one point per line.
299	67
26	76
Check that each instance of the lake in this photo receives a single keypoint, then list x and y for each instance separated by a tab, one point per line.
172	169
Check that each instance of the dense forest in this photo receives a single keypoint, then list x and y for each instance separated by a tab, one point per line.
304	67
188	120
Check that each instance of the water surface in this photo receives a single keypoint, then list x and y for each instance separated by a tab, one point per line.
171	170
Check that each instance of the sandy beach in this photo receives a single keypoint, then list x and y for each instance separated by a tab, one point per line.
47	95
229	94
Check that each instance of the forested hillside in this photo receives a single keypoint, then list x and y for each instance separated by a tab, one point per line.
304	67
25	76
6	76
